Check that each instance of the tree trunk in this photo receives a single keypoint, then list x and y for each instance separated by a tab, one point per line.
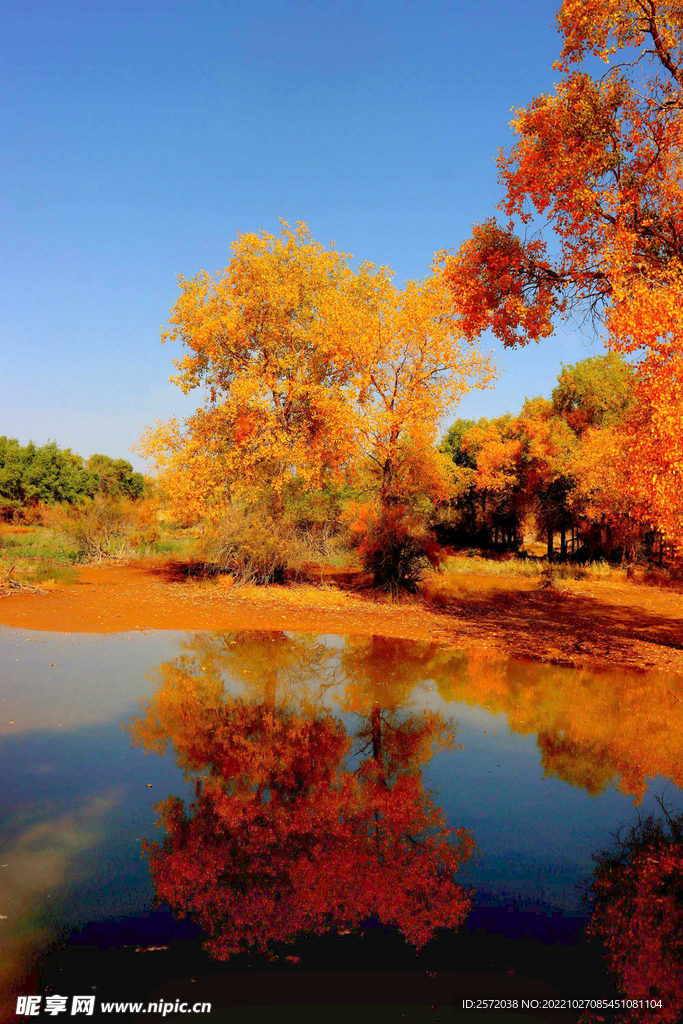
550	542
385	489
563	543
376	728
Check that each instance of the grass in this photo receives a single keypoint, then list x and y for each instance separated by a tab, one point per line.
42	552
36	543
528	568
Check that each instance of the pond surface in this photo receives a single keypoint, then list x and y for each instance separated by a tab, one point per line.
268	820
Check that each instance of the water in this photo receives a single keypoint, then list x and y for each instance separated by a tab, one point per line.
313	896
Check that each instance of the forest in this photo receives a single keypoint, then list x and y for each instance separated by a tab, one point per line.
545	483
324	387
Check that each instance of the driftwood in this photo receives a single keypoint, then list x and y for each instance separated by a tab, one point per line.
10	586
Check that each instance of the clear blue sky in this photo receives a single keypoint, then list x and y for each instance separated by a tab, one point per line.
140	137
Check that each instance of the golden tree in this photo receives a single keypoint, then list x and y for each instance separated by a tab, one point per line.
416	365
599	160
272	339
308	367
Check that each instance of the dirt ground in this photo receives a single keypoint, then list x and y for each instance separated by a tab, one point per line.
577	623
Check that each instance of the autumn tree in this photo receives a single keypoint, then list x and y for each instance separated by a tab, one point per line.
597	163
271	339
497	479
564	463
417	367
548	445
607	498
311	371
511	465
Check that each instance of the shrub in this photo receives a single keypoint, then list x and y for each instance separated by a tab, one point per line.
395	544
251	545
106	527
256	544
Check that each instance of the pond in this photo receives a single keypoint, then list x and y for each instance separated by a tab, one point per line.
345	827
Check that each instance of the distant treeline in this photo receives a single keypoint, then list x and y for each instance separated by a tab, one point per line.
32	475
558	469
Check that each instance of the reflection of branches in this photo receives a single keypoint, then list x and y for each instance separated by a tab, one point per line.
276	665
594	729
637	896
379	676
282	837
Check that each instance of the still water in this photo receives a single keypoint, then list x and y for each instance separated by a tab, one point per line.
271	820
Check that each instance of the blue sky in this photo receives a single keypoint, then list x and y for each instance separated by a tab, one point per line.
140	137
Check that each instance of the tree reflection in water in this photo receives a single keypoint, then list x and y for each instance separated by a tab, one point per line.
594	728
304	822
636	894
296	825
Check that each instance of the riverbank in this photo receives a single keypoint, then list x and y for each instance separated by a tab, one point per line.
580	622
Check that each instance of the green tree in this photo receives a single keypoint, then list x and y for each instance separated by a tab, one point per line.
116	477
452	443
595	392
32	475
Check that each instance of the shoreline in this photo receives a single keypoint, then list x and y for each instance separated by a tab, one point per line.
580	623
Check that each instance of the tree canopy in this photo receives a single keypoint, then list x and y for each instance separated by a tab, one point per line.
309	367
597	170
565	461
43	475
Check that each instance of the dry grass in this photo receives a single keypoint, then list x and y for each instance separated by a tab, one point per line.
315	597
529	568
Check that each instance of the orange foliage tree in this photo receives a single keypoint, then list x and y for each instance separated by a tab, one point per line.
271	340
514	465
599	160
566	461
488	473
309	368
416	366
